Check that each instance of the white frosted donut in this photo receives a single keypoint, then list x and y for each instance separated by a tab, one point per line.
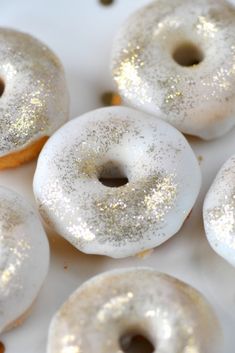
101	314
24	258
34	97
162	172
219	212
178	58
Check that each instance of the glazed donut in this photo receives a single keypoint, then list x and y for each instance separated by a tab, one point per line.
162	181
102	313
34	98
24	258
177	58
219	212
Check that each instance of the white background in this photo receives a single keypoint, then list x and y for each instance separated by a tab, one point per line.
81	33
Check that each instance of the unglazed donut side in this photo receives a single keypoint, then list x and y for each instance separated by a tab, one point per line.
16	159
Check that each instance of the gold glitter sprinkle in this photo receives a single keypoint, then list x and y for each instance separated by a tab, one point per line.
115	307
206	27
127	74
36	101
10	248
219	212
173	96
148	201
222	220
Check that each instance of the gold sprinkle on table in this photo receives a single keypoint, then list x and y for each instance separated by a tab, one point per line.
110	98
2	348
145	254
106	2
200	159
2	87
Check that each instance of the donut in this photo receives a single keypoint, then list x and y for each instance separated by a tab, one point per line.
177	58
219	212
24	258
33	97
108	311
157	172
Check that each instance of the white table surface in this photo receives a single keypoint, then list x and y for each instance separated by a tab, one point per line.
81	32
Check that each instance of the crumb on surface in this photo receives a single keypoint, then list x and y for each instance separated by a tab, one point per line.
144	254
2	348
106	2
110	98
200	159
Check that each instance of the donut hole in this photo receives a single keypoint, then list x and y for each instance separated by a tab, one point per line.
112	175
135	343
2	87
188	54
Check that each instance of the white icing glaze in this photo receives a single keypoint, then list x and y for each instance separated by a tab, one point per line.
198	99
34	103
24	257
171	314
219	212
163	173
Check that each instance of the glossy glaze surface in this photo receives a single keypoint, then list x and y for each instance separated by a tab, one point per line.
163	181
173	315
177	58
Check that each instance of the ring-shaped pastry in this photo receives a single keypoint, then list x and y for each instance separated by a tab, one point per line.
162	181
33	97
105	313
176	59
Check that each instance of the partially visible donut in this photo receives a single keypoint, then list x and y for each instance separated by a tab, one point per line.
162	181
108	310
219	212
24	258
34	97
177	59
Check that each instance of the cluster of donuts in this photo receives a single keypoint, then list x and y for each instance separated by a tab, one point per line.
162	63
